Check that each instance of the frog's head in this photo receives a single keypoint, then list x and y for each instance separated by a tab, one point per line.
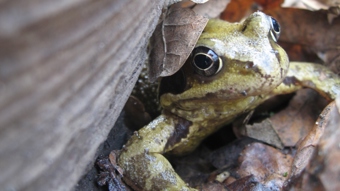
229	61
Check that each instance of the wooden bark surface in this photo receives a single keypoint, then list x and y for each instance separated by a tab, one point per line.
66	70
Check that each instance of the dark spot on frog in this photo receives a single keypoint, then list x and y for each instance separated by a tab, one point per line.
244	93
290	80
250	65
181	131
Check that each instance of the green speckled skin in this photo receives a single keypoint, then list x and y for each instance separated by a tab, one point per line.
254	69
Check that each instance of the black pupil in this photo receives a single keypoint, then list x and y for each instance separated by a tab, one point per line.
203	61
276	25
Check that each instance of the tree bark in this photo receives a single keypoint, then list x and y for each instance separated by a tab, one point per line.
66	70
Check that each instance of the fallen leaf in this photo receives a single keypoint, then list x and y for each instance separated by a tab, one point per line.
266	165
237	10
269	4
297	119
328	152
265	132
247	183
299	27
316	165
288	126
173	41
310	4
298	52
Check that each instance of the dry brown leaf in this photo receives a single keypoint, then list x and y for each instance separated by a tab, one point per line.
320	151
269	4
237	10
265	132
297	52
311	30
295	121
173	41
328	152
267	165
288	126
311	4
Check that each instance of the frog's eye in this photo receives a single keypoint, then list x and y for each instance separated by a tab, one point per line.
274	29
205	61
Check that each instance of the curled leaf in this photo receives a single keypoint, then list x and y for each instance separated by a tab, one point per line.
316	164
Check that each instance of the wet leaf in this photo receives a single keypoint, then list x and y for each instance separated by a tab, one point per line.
173	41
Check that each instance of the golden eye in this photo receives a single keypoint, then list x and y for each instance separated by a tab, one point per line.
205	61
274	29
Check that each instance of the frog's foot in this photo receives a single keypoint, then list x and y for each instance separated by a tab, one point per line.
145	168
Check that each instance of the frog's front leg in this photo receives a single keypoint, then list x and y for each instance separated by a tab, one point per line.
310	75
145	168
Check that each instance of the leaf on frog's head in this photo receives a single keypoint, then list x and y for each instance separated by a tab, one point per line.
173	41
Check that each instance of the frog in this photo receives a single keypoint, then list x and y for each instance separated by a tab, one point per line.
233	68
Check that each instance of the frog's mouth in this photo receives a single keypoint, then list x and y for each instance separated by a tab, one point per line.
175	84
